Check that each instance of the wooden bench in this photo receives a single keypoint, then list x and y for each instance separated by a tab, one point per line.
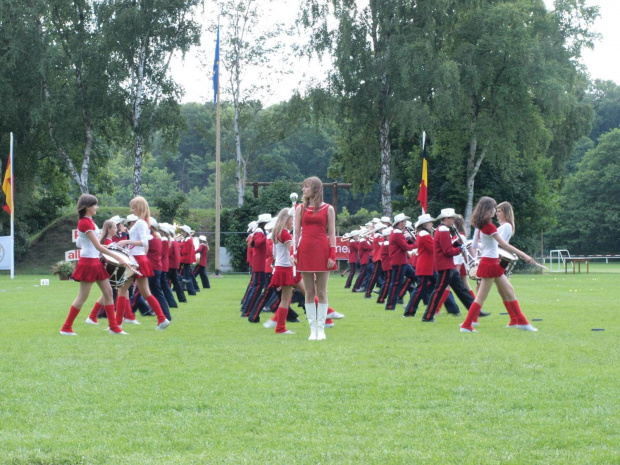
578	261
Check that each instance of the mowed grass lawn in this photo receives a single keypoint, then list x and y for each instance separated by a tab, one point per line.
213	388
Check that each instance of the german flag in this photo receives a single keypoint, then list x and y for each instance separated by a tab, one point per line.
423	193
7	187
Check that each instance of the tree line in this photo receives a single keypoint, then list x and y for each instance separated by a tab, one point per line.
496	85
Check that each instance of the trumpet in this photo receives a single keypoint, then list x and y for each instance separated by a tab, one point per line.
470	261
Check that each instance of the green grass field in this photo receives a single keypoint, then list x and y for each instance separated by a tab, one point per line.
215	389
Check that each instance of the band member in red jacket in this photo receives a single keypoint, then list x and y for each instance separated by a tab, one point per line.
448	275
201	267
353	257
364	250
400	244
259	244
425	263
188	256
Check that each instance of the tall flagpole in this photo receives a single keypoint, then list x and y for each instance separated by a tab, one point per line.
218	200
12	210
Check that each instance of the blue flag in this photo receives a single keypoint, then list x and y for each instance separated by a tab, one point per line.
216	66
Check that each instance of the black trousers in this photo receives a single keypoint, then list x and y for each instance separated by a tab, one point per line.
447	278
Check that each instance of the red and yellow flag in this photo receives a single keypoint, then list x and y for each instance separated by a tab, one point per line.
7	187
423	193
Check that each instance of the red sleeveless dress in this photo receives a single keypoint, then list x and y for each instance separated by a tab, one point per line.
313	250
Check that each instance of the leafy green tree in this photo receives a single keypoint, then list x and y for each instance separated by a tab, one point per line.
589	217
140	38
605	98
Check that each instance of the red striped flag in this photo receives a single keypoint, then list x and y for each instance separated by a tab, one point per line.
7	187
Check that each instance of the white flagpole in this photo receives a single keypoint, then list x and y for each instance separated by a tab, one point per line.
423	145
12	211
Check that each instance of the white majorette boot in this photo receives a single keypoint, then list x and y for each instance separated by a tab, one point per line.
321	315
311	315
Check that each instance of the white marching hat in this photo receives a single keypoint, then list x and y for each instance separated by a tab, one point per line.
400	217
117	219
426	218
376	220
154	223
386	232
379	226
131	218
447	213
386	219
252	225
264	218
187	229
202	238
269	226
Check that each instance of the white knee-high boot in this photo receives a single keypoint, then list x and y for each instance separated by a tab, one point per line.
311	315
321	315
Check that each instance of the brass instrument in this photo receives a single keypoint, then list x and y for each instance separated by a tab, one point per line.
470	261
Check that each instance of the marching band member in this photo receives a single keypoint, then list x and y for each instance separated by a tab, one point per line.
139	240
444	251
201	267
154	255
364	250
377	273
259	244
315	225
188	256
506	218
174	263
489	270
409	272
89	268
248	256
386	265
108	231
353	257
425	264
267	292
398	248
165	265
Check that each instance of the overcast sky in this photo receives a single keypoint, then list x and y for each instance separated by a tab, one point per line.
603	62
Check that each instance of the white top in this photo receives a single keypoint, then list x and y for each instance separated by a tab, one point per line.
505	231
281	252
88	248
139	232
488	244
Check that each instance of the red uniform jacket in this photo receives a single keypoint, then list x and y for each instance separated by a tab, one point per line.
398	248
364	250
202	250
444	250
376	248
425	266
259	244
386	265
174	255
353	248
165	254
188	251
154	253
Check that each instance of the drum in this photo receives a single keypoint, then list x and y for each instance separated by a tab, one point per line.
507	260
472	269
118	273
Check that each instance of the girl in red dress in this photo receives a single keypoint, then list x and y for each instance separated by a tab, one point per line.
315	222
139	241
108	231
89	268
489	270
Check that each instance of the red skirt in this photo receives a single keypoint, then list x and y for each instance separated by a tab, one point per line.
283	276
90	270
145	267
489	268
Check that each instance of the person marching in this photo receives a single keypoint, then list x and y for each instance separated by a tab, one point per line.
259	245
425	265
188	256
201	267
448	275
489	270
154	255
398	248
165	265
283	274
353	257
377	273
139	240
315	224
249	252
174	263
386	265
89	268
108	231
364	250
